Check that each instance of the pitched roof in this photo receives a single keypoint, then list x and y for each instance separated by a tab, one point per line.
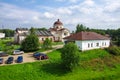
87	36
21	29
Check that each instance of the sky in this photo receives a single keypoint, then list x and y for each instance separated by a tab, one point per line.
98	14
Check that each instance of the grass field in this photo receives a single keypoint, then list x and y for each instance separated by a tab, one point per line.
94	65
7	43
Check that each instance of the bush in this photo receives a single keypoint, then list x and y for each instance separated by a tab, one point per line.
47	44
70	56
114	50
31	42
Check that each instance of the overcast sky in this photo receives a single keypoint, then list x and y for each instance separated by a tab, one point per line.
100	14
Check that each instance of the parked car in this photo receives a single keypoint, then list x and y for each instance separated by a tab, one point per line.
36	54
2	54
9	60
40	56
19	59
1	60
18	52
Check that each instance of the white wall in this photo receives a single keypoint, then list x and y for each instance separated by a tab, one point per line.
2	35
21	38
83	45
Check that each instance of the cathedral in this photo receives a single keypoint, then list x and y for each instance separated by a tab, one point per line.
58	31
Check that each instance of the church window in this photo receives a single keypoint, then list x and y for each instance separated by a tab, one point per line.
65	34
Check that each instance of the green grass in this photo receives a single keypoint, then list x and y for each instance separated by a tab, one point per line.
4	42
94	65
97	53
57	43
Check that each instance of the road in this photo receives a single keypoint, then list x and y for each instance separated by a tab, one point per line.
28	57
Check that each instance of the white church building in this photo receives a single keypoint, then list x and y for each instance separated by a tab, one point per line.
88	40
58	31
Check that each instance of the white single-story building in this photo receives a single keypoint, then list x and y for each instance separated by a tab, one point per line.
88	40
2	35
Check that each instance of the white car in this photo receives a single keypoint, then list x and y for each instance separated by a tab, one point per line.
18	52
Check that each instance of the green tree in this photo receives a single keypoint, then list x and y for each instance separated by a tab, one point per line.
70	56
47	44
8	32
31	42
80	28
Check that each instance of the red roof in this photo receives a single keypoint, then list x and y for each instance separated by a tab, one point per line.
87	36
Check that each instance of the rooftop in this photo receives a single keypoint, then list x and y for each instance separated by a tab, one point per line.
87	36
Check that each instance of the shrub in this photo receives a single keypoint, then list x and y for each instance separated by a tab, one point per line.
70	56
47	44
114	50
31	42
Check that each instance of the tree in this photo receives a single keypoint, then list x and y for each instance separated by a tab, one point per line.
47	44
8	32
70	56
31	42
80	28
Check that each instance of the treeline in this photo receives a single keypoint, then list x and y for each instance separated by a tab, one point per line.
114	34
8	32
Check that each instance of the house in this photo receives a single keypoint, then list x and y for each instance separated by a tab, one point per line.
2	35
58	31
88	40
21	33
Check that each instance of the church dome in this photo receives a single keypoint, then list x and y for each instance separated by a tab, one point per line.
58	22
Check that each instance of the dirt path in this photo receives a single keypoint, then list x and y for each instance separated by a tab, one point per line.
27	57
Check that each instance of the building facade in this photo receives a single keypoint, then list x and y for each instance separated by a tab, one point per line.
58	31
21	33
88	40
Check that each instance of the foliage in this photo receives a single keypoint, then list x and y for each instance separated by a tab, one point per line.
8	46
9	49
80	28
8	32
92	69
70	56
114	50
43	29
31	42
47	44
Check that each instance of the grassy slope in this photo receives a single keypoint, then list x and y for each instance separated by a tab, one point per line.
95	65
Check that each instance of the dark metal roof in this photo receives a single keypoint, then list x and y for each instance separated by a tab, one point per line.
43	33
